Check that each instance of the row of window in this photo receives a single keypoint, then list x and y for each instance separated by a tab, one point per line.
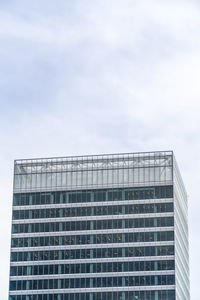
130	295
129	266
93	225
92	253
93	195
108	238
93	211
92	282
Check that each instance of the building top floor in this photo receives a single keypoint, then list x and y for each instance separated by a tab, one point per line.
91	162
94	171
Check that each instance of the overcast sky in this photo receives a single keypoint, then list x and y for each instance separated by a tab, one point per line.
90	77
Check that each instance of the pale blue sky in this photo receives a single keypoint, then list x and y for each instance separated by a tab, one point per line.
88	76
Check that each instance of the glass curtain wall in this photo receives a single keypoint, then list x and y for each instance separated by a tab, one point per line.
95	228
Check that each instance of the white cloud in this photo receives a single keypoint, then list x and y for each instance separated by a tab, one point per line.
100	76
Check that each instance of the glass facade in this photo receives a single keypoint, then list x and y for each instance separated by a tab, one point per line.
99	227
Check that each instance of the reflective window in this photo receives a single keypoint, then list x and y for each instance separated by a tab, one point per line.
93	195
130	295
96	211
136	237
96	282
93	253
130	266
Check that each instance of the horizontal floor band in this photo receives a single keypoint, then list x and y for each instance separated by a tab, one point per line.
94	218
94	246
92	290
93	275
91	232
93	204
93	260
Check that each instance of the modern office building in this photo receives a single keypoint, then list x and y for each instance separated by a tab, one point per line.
99	227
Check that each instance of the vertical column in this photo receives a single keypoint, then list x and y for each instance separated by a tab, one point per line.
155	266
92	196
91	296
52	198
123	252
30	199
156	295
